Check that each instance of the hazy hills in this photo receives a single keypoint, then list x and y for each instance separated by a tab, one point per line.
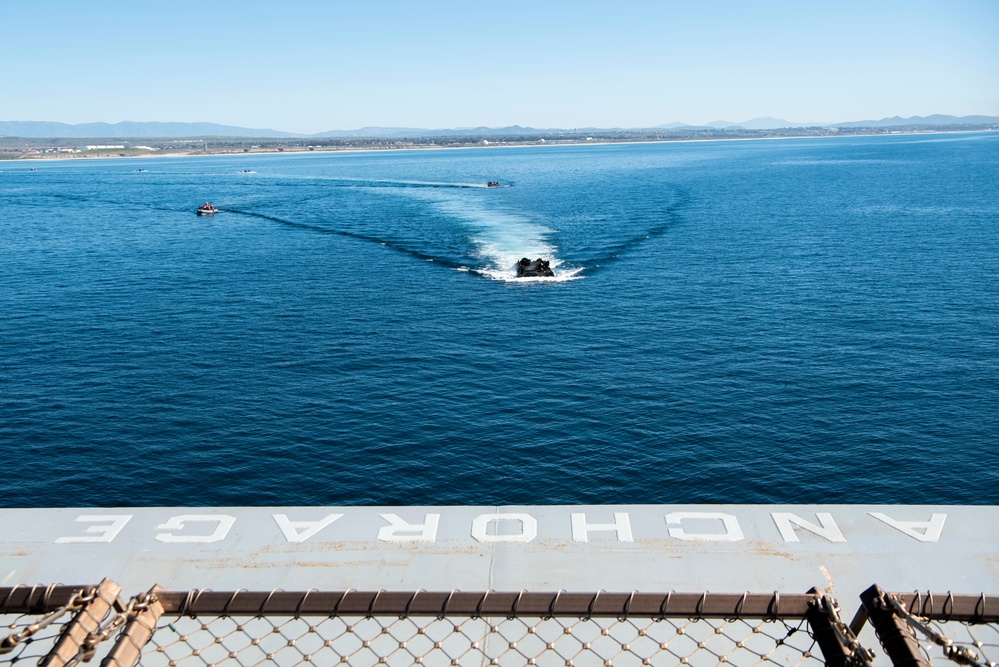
38	129
935	119
769	123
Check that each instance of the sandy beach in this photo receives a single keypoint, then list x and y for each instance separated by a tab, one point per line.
34	156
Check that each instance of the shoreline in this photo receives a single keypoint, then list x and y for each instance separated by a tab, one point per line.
62	157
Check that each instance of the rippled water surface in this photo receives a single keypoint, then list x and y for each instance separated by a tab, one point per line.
741	322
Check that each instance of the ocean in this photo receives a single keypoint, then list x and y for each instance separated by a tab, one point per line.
782	321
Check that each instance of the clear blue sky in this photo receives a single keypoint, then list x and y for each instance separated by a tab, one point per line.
305	66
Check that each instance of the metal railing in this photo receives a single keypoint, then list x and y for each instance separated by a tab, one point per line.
913	627
68	625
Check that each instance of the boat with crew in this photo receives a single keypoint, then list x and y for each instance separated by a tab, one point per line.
492	184
207	209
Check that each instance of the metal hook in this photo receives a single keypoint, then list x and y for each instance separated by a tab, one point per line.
627	606
948	611
6	600
737	613
593	602
263	605
405	612
699	607
47	597
301	603
478	607
447	601
663	607
225	609
186	607
917	597
371	607
196	598
30	601
336	607
551	606
516	603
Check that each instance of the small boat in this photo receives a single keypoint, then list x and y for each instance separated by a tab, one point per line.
142	170
539	268
492	184
207	209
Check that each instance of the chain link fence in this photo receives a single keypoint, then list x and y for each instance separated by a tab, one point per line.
64	625
925	628
363	641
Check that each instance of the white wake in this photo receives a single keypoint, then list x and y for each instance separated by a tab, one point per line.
502	238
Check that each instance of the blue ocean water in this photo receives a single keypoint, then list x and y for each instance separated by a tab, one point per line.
811	321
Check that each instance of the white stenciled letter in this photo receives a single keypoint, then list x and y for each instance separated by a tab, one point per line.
528	528
223	523
931	529
733	531
411	532
621	526
826	527
299	531
105	533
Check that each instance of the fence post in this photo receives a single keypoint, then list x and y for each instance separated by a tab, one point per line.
88	620
834	652
893	632
137	632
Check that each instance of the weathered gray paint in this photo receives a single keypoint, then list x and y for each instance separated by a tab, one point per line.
251	550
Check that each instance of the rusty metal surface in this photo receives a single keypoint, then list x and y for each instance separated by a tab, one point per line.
840	549
39	599
487	603
947	606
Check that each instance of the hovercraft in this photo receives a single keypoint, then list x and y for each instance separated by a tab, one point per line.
538	268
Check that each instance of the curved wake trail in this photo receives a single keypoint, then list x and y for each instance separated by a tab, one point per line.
621	249
498	238
386	183
285	181
387	243
130	204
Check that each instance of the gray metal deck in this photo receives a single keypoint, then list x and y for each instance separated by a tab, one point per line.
720	548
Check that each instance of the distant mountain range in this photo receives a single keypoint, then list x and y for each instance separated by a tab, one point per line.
936	119
39	130
46	130
769	123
